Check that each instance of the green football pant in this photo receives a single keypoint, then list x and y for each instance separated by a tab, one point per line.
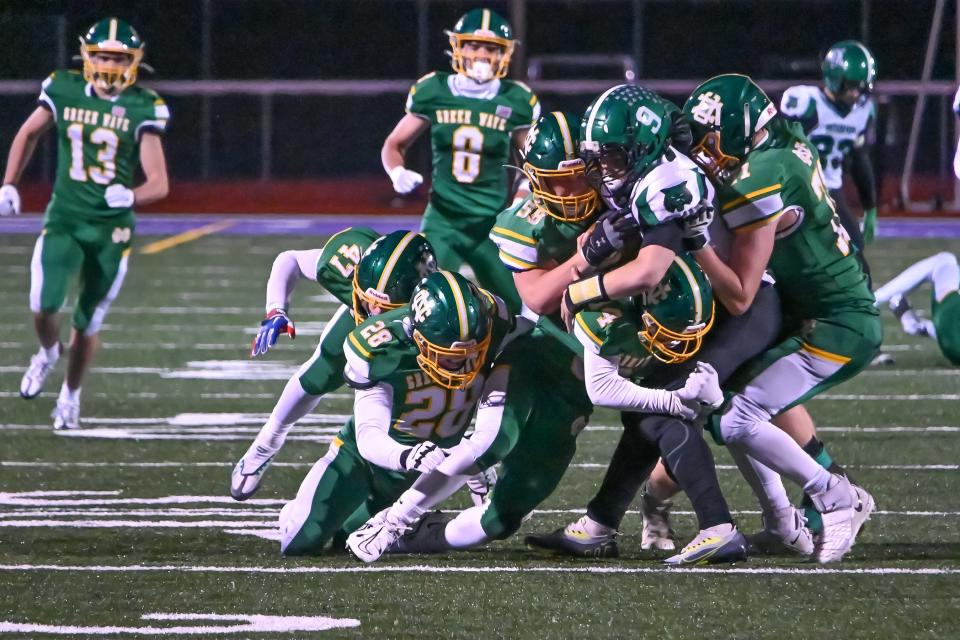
340	485
323	372
946	319
456	240
97	250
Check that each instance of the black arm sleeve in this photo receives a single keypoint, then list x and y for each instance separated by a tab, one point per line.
668	235
862	171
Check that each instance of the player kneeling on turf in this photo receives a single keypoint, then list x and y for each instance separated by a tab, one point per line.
418	372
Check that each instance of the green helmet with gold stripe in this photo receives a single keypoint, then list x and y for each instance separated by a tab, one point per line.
114	72
483	27
452	322
389	271
556	173
677	313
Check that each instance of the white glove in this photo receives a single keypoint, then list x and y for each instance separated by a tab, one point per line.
701	393
696	229
9	200
423	457
481	484
404	180
119	197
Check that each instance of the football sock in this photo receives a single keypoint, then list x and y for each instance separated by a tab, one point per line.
69	395
52	354
465	530
293	404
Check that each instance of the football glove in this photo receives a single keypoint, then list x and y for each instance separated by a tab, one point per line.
272	327
481	484
701	392
423	457
9	200
404	180
118	196
869	225
681	137
696	229
607	236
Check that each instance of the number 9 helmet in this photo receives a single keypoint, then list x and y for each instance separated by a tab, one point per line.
452	321
724	114
111	35
849	65
557	174
481	26
389	271
677	313
623	132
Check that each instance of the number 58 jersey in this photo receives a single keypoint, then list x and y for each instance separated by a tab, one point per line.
98	141
470	137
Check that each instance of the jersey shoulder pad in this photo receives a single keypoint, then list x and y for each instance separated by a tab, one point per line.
799	100
604	331
671	190
60	85
523	101
375	349
424	91
153	112
339	258
517	232
754	198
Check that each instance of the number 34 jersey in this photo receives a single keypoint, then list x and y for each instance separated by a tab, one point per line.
470	134
98	141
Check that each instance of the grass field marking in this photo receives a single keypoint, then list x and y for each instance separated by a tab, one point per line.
244	623
202	396
106	433
420	568
185	237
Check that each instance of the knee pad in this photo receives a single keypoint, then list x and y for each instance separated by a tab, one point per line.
740	419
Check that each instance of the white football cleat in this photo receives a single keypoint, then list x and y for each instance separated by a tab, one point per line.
248	472
836	507
32	382
657	532
862	509
66	415
722	543
784	530
377	534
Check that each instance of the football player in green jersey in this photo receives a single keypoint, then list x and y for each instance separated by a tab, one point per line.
475	117
772	196
105	124
839	118
943	274
418	372
368	274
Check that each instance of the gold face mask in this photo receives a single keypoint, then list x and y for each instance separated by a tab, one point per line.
564	193
453	367
714	162
462	61
110	76
372	298
669	346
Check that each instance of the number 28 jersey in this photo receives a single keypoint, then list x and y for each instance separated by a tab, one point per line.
470	135
98	141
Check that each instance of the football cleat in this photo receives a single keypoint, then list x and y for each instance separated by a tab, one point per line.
862	509
657	532
784	532
377	534
882	359
248	472
66	415
32	382
836	507
425	536
575	540
716	545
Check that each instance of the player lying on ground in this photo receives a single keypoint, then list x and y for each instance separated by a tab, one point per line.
943	274
475	116
105	124
368	274
528	422
418	372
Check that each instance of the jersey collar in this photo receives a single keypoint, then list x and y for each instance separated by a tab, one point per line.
464	87
88	89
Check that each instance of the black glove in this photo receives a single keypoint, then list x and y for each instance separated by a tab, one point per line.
607	236
681	137
696	228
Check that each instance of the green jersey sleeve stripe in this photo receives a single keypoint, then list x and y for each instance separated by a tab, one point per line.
515	264
356	347
587	338
754	211
505	233
516	250
751	196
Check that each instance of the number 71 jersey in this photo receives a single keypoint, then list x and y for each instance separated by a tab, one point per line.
98	141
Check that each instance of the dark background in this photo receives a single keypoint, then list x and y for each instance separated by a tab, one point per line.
330	136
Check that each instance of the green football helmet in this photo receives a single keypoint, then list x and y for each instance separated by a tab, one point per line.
452	320
677	313
115	36
849	65
481	26
557	174
388	272
724	114
624	131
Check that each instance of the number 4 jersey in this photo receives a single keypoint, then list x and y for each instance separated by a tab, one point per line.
98	141
470	134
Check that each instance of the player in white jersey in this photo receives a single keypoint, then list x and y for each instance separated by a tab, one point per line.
839	118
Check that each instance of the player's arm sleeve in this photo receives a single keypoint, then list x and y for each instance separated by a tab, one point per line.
607	388
862	171
372	409
45	98
796	106
157	122
668	235
288	268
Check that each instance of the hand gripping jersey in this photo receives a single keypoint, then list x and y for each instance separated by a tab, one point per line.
813	261
98	141
834	133
470	138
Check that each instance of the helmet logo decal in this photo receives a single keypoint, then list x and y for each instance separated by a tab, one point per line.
422	305
532	134
659	293
707	111
803	152
648	118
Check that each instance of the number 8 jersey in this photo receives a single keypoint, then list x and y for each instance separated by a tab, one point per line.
98	141
470	137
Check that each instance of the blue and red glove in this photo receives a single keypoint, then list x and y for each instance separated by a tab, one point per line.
272	327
